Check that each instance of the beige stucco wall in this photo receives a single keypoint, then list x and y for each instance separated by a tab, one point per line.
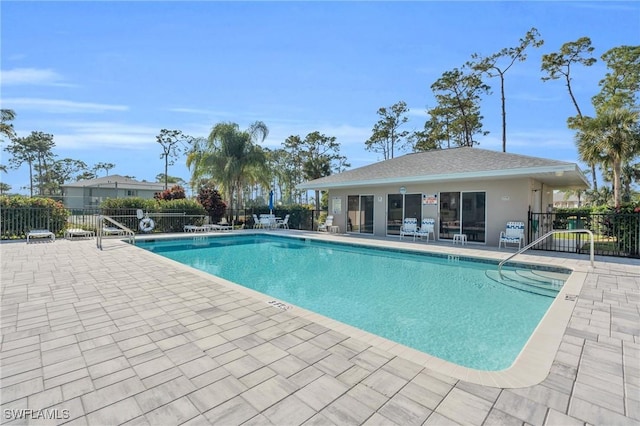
506	200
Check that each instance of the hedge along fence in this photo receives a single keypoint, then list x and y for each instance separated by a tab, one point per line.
19	215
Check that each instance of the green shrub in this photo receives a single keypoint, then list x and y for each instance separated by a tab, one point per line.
19	214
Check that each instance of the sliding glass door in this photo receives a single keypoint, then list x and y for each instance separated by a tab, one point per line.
473	216
463	212
401	206
360	214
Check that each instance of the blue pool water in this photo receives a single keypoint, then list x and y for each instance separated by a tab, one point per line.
450	310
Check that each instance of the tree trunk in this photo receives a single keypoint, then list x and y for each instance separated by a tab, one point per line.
617	171
504	115
30	179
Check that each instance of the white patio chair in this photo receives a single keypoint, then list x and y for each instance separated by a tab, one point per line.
513	234
409	227
284	223
426	227
324	227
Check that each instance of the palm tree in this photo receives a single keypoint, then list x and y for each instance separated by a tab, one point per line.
6	128
588	150
630	174
613	136
230	156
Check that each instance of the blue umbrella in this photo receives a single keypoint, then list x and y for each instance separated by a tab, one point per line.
271	202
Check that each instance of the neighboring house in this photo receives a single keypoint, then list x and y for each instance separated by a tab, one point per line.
91	192
467	190
564	200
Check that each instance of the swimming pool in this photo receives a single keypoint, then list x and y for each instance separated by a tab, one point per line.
443	306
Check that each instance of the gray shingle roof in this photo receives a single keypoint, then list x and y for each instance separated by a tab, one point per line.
452	164
122	181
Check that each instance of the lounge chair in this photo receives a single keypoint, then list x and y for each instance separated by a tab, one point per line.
195	228
223	225
112	230
324	227
79	233
256	222
513	234
409	227
40	233
284	224
426	227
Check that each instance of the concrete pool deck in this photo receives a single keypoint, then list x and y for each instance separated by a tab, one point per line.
123	336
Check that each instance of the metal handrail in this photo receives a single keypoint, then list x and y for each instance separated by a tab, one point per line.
99	230
544	237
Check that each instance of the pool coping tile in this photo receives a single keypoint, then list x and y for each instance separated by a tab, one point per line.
125	315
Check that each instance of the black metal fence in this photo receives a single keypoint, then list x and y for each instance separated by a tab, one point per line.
16	222
615	234
299	218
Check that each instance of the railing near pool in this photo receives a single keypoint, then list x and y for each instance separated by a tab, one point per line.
118	230
544	237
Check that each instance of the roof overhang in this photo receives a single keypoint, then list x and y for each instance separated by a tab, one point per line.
557	176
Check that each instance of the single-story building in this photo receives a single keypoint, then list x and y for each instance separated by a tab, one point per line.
89	193
466	190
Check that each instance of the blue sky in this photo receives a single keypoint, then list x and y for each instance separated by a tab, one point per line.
105	77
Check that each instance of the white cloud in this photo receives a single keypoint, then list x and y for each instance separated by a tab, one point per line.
34	76
543	143
345	134
418	112
59	106
104	134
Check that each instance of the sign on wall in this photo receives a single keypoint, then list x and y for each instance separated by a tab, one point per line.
336	204
430	199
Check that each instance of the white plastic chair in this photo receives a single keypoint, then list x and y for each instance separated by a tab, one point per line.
426	227
513	234
324	227
284	223
409	227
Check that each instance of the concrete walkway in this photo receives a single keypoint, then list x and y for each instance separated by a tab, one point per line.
121	336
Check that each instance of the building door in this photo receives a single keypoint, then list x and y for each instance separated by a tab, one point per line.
463	212
401	206
474	216
449	214
360	214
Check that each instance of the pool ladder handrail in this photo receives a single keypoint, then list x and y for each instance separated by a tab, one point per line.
128	232
544	237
